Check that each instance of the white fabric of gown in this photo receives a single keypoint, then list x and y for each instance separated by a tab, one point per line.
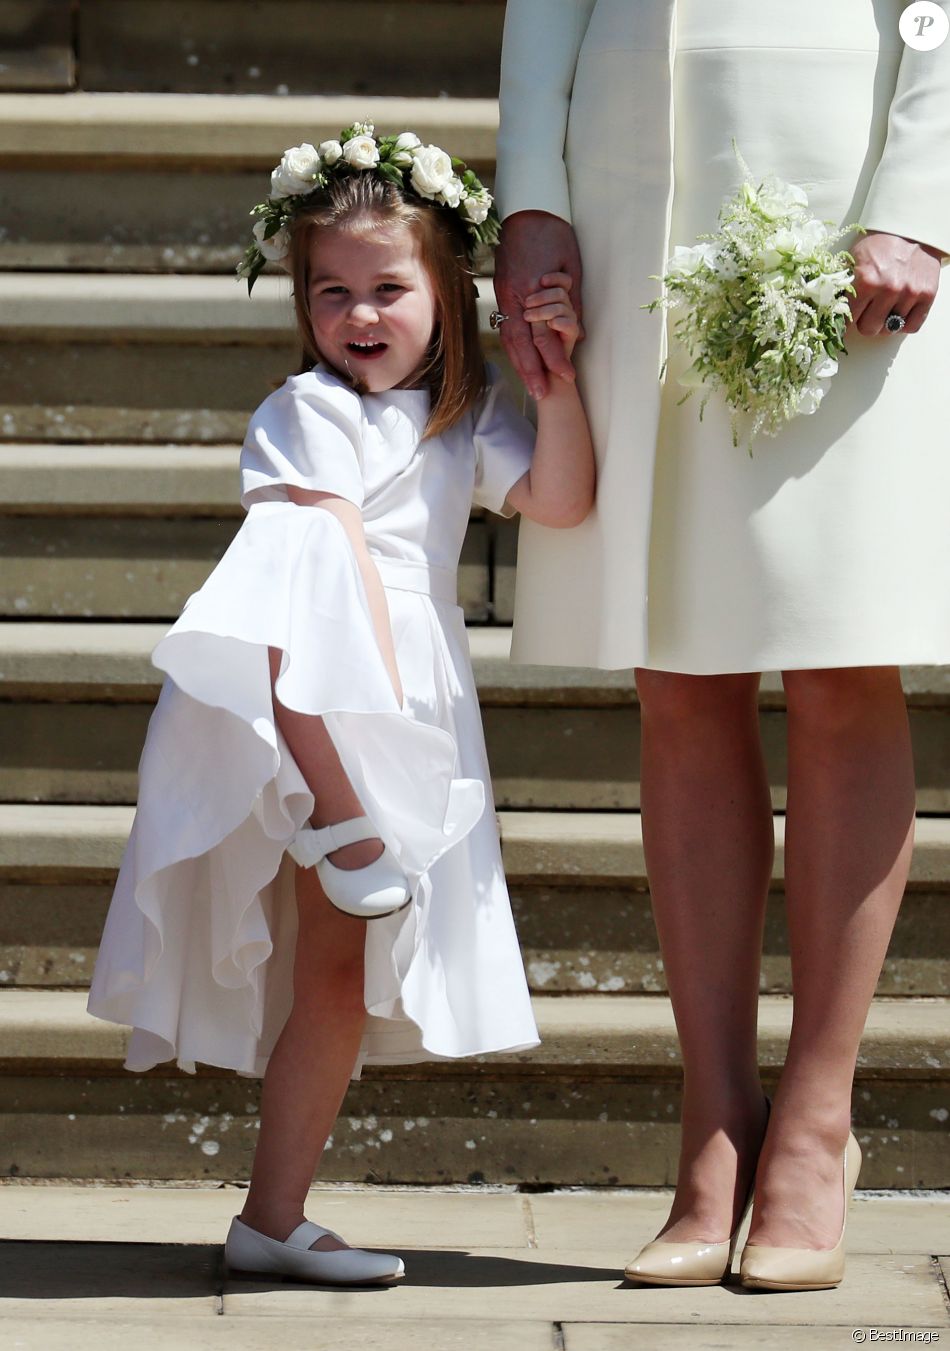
197	952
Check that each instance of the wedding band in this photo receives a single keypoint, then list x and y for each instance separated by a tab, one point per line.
894	323
496	319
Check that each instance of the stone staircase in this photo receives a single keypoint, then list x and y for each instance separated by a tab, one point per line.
133	139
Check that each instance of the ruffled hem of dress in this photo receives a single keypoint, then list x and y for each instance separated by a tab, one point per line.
217	840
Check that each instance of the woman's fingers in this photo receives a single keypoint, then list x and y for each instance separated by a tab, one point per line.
892	275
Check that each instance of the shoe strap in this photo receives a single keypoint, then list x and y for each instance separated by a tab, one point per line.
309	846
306	1234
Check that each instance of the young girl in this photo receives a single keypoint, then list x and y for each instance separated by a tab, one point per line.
320	708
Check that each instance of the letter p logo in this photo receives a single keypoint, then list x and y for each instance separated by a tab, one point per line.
924	25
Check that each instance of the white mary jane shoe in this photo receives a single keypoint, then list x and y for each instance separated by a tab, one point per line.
246	1250
372	892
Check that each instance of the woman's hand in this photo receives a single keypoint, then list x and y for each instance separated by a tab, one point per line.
552	309
892	275
534	244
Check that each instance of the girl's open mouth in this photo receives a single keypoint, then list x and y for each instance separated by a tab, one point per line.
367	350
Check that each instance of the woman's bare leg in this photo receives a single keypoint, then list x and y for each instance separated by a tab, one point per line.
848	843
309	1070
707	832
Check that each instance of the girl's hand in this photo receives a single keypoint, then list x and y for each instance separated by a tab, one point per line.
892	276
552	307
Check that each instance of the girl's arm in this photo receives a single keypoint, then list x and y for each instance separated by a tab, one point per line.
558	489
348	514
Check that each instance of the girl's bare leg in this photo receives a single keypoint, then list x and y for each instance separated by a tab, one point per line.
707	832
333	796
309	1070
849	837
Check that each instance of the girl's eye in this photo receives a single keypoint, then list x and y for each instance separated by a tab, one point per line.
391	286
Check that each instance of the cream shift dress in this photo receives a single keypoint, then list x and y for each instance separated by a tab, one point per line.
197	952
831	546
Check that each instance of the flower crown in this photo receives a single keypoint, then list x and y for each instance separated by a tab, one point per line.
421	170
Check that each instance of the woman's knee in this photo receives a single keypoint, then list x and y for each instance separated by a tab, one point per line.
675	698
840	698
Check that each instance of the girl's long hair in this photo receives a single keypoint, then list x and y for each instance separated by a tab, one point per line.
454	368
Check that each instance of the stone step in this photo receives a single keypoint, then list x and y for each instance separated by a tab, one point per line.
130	531
75	701
424	47
179	171
595	1103
578	885
95	562
37	45
145	359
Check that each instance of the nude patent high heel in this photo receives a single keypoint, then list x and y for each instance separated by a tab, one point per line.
696	1263
379	889
766	1268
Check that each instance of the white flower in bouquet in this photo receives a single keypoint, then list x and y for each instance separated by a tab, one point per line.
296	172
361	152
777	199
761	306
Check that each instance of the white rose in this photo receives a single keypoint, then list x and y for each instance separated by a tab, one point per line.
361	152
776	198
431	171
452	192
476	205
406	143
331	151
275	248
687	261
296	171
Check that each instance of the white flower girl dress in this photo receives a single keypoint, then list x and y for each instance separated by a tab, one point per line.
197	952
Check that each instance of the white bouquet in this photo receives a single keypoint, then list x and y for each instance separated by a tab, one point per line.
764	306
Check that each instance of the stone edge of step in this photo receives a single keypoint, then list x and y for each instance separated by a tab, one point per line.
59	842
245	131
609	1032
166	307
63	661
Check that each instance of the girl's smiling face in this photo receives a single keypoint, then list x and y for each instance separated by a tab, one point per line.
372	304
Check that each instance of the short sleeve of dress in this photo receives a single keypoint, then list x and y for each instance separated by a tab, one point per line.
307	434
504	444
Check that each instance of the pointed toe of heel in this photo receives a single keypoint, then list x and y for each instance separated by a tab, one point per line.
766	1268
662	1263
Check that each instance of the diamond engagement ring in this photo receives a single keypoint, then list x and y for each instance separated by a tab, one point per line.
496	319
894	323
